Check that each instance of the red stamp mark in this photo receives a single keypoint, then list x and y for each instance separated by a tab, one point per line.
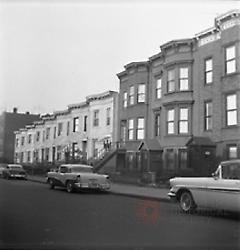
148	211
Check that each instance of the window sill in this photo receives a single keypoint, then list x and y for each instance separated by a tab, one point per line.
178	92
230	75
231	127
179	135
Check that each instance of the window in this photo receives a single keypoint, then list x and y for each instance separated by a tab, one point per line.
157	125
208	71
22	140
230	55
232	151
38	136
108	111
141	93
21	156
208	112
183	120
131	95
130	129
170	121
75	124
124	99
47	154
59	153
17	142
74	150
95	149
55	132
28	156
123	130
85	123
43	136
140	128
231	110
159	88
171	81
182	158
183	75
96	118
170	159
36	155
47	133
68	127
60	128
29	139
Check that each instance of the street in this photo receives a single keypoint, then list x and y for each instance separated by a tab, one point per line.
34	217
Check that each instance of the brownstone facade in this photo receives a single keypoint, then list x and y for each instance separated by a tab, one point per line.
187	99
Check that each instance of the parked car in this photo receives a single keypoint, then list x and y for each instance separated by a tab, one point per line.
14	171
221	191
2	167
77	176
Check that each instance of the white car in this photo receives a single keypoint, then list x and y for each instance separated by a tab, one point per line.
221	191
77	176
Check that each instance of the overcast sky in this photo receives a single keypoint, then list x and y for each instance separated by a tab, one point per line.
55	53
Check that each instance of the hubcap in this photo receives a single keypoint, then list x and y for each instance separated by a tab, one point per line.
186	201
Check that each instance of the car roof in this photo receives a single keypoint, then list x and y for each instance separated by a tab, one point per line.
75	165
230	161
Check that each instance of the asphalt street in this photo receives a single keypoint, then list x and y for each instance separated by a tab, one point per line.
34	217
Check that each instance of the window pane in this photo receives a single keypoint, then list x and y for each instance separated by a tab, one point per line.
183	127
171	115
170	75
130	125
231	102
232	152
208	108
184	84
230	52
132	90
130	134
140	122
183	114
183	72
208	65
170	128
140	134
159	83
232	118
209	77
141	88
231	66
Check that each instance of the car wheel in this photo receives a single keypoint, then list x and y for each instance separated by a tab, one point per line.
70	187
51	184
186	202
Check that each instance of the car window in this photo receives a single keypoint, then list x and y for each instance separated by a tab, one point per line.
231	171
63	170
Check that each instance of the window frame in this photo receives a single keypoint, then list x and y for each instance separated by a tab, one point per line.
234	59
96	118
171	121
208	117
131	95
131	129
181	120
76	124
183	78
158	93
208	71
141	94
125	99
157	124
231	110
171	81
140	129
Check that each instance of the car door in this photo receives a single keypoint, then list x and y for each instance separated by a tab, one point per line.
62	174
223	191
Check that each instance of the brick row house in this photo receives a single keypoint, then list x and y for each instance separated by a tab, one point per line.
78	133
179	111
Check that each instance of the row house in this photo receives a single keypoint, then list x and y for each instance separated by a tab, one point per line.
182	106
78	133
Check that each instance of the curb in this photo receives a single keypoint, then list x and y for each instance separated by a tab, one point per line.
138	196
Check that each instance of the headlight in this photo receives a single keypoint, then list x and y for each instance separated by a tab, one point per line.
78	179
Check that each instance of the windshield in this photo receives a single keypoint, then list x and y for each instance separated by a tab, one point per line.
81	169
15	167
231	171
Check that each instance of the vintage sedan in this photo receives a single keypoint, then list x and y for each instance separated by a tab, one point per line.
14	171
77	176
2	168
221	191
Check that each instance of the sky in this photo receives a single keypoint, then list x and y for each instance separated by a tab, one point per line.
55	53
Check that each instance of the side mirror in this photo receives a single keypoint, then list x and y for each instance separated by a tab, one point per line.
215	176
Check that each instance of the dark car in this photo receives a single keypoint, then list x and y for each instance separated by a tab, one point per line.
14	171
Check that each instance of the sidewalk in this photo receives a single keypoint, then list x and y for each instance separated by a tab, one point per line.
152	193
